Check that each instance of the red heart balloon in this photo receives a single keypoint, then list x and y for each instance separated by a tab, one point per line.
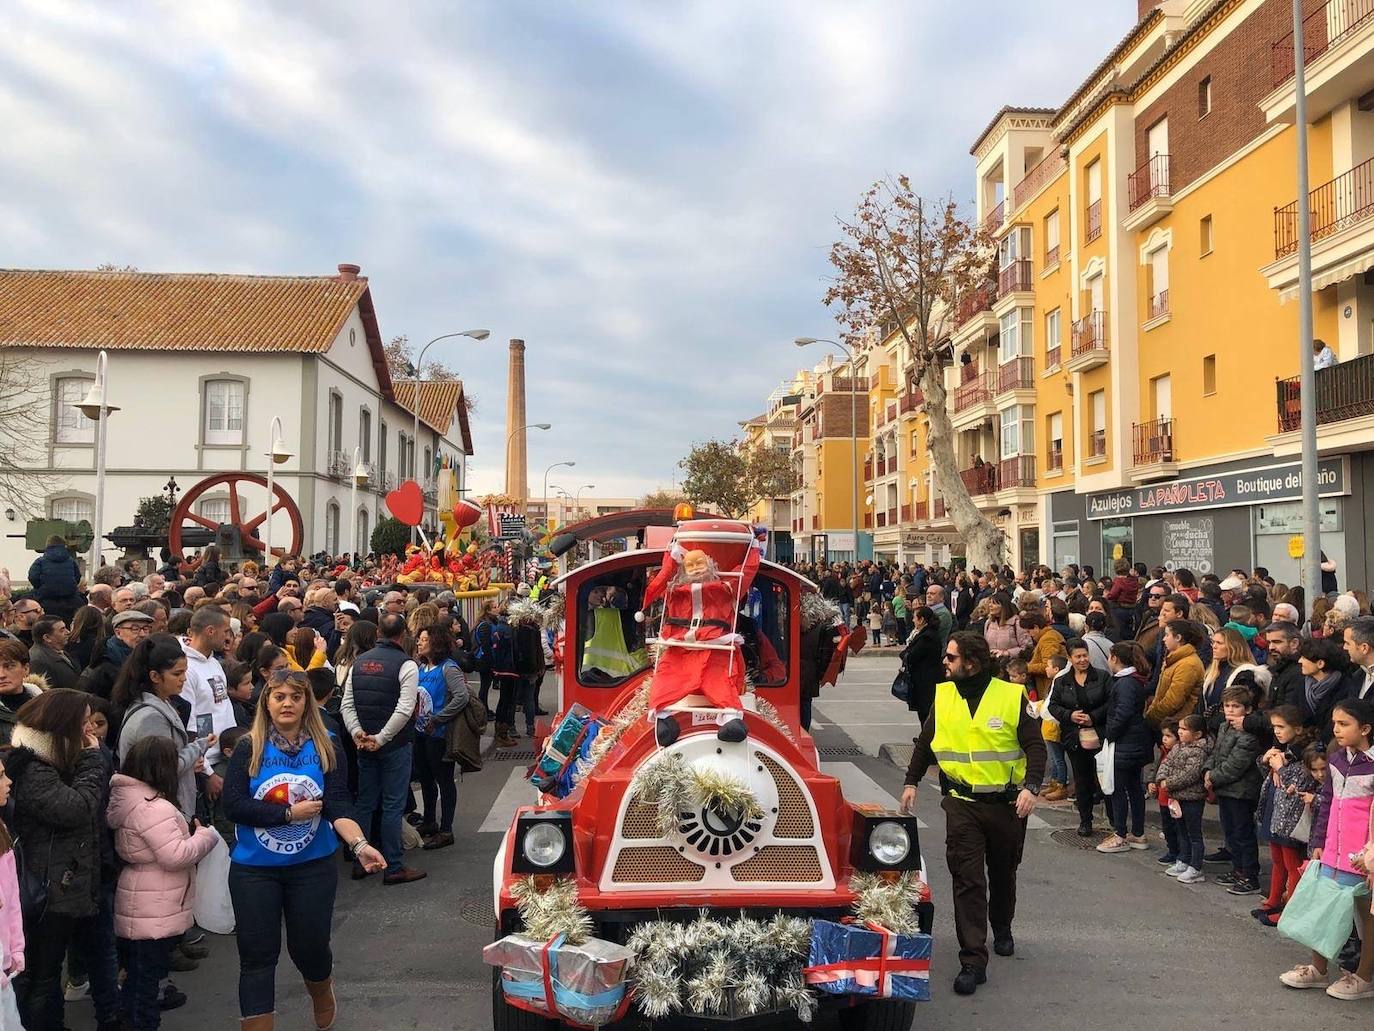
407	503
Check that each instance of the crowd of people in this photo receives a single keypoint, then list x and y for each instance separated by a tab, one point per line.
280	715
1157	686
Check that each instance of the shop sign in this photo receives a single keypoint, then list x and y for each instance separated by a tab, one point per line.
840	542
936	538
1221	490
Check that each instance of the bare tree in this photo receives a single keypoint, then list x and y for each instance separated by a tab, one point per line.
905	262
23	444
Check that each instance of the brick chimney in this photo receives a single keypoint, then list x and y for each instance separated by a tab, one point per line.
348	273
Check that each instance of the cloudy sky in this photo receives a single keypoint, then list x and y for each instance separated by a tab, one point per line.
643	191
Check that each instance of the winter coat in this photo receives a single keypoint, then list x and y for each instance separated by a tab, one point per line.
54	576
1340	824
58	820
56	667
1068	696
1286	685
1180	683
31	690
1124	591
1280	812
1149	633
1006	639
923	660
817	648
1232	764
321	620
100	678
11	915
1209	700
1183	767
1050	642
152	716
157	890
1126	726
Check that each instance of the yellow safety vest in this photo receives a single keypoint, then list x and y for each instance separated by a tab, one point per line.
978	752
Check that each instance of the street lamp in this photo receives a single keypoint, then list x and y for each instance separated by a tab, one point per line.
474	334
853	424
511	436
546	485
276	455
577	501
360	478
95	406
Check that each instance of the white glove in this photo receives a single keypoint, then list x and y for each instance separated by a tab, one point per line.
639	617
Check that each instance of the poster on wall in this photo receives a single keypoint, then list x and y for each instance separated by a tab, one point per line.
1189	544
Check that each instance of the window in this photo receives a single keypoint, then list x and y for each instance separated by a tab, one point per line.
1053	322
364	546
331	528
1052	238
1014	329
215	509
1204	97
224	412
335	423
365	433
1205	235
1098	403
1054	431
1209	374
610	641
1162	396
381	451
1095	182
70	425
428	470
72	510
1018	431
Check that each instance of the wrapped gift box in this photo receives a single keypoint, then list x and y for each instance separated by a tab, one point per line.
865	959
570	740
584	984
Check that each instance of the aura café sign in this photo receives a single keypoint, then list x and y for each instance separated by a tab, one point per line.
1221	490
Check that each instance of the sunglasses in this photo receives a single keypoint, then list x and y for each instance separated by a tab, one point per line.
951	657
289	676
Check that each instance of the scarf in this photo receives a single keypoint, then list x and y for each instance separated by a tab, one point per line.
286	746
116	650
1318	690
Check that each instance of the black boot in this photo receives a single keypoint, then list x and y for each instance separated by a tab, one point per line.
666	731
1003	944
968	979
735	730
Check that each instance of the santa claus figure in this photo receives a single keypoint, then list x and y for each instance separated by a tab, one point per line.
700	654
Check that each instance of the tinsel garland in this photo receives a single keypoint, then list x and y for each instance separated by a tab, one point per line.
553	611
817	611
672	786
767	711
632	713
890	904
523	612
553	911
700	967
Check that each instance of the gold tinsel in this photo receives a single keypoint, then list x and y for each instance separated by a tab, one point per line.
672	786
725	792
554	911
889	904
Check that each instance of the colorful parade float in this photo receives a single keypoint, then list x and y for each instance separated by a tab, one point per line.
684	861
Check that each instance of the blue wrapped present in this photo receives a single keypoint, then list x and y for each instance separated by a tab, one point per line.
868	960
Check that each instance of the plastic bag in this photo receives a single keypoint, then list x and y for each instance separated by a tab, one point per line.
1106	775
214	909
1321	911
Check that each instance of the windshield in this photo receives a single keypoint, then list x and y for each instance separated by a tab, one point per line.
611	643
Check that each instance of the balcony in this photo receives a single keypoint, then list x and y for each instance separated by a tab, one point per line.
911	401
1344	392
1016	479
995	218
1149	193
973	401
906	513
1054	460
1338	42
1052	355
1092	222
1015	278
922	511
980	480
339	465
1097	444
939	508
1017	377
974	312
1051	256
868	471
1038	178
1158	310
1336	205
1089	343
1152	450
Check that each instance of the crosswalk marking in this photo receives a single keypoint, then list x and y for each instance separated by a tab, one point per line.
860	788
516	792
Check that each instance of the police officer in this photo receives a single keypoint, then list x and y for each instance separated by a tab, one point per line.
991	758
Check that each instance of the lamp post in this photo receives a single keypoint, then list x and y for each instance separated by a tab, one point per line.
546	486
360	478
474	334
95	406
511	436
276	455
562	496
577	501
853	426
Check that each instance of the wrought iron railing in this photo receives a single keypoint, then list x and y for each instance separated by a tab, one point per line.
994	218
1052	357
1016	472
1017	374
1153	442
1321	30
1159	305
1344	391
1054	461
1015	277
981	479
1050	166
1090	334
1345	201
1151	179
1093	224
978	390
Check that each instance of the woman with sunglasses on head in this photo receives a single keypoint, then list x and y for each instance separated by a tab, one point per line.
287	790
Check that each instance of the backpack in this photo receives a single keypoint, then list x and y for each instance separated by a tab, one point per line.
483	653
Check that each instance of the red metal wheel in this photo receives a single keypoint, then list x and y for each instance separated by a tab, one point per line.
248	527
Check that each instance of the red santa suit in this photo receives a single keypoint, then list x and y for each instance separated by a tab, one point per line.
702	611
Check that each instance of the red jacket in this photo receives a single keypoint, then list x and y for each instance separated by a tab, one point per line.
1124	591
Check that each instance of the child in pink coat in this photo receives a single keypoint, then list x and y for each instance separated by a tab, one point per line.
156	895
11	921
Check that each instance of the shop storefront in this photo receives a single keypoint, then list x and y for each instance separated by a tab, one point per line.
1233	515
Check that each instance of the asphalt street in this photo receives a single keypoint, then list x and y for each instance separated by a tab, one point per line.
1101	940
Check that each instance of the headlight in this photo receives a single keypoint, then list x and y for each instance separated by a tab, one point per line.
544	844
889	843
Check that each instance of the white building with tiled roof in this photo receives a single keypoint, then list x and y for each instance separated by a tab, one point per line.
199	365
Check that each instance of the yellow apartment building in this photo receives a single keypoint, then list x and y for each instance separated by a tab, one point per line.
1126	385
775	428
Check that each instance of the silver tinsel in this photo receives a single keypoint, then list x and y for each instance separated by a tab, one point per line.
889	904
816	611
523	612
553	611
665	783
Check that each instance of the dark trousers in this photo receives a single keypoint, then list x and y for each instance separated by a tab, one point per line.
806	712
38	990
148	961
510	687
436	781
1173	834
384	784
1238	827
93	943
1085	787
1128	798
983	845
1191	846
486	677
302	894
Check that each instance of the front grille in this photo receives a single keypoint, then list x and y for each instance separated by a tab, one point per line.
654	865
641	821
794	815
780	863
